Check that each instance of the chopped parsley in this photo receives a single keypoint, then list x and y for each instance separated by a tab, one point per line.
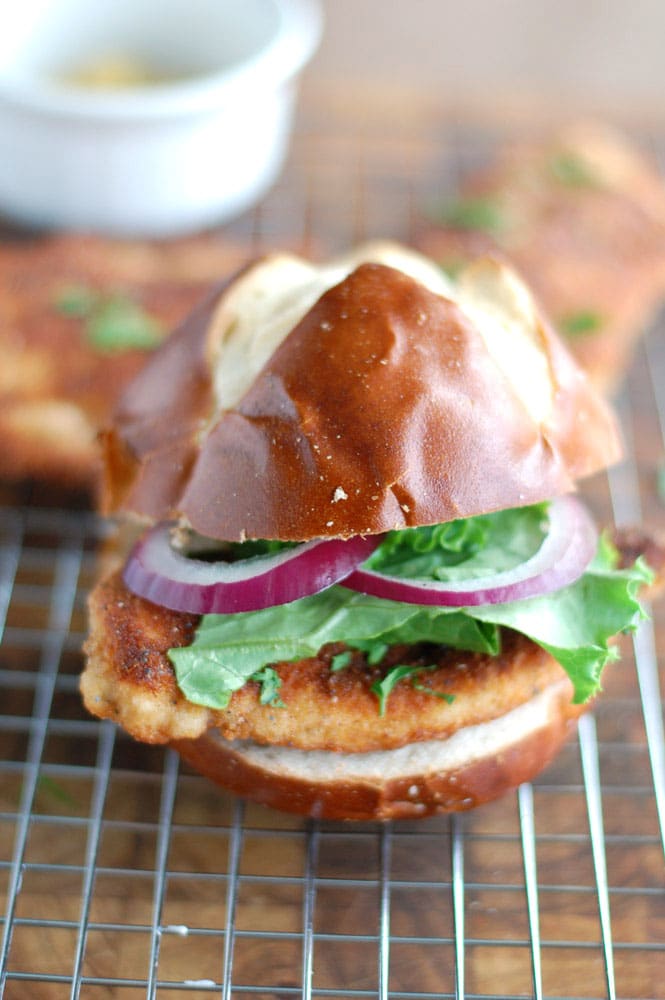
375	652
340	661
383	687
571	170
417	686
270	683
118	324
452	267
578	323
386	685
49	786
474	212
76	300
111	322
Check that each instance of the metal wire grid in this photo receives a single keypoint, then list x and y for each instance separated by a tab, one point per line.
126	876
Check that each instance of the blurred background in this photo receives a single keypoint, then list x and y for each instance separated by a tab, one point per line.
600	54
503	63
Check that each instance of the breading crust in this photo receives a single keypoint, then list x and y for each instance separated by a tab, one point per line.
129	678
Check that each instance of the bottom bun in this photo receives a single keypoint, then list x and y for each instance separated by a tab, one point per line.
475	765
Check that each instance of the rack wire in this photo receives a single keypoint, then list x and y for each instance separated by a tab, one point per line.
126	876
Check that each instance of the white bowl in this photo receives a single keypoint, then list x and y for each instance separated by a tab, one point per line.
155	159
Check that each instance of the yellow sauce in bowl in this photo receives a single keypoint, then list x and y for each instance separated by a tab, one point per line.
114	71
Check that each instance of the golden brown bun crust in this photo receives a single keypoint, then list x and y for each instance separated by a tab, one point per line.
384	394
595	249
56	389
404	797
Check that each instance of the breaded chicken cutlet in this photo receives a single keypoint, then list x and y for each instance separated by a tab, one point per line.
364	589
581	215
77	316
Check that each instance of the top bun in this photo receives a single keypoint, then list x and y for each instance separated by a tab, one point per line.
370	394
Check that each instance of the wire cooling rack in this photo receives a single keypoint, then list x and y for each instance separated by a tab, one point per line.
125	876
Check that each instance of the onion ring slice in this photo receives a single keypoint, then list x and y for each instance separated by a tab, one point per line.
161	574
566	551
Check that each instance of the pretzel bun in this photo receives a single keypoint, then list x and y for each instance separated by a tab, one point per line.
473	767
354	398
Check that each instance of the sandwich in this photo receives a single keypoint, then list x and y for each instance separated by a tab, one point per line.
78	315
581	215
363	586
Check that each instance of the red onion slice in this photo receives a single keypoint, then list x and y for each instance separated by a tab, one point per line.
566	551
156	571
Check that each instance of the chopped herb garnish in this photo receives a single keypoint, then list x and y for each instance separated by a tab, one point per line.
76	300
474	213
373	649
341	660
118	324
271	683
48	785
376	652
572	170
579	323
111	323
452	267
384	687
417	686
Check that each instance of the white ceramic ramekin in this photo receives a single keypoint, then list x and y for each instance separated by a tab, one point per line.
152	160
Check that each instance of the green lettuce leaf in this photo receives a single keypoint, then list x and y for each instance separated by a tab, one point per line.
464	549
228	649
576	624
